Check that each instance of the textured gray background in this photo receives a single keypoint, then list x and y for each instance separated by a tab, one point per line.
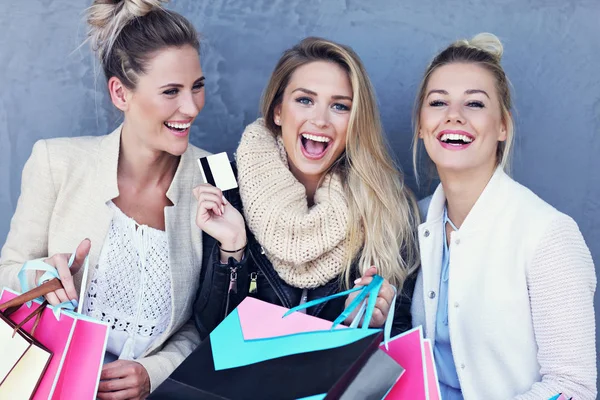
49	89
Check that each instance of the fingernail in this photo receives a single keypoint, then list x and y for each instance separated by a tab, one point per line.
356	282
222	209
224	199
75	303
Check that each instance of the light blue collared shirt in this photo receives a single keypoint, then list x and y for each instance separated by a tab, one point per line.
442	351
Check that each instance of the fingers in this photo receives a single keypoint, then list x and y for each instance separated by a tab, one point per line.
62	266
113	370
120	395
387	292
371	271
211	201
113	385
53	299
80	254
123	380
367	277
62	295
382	306
378	318
207	205
206	188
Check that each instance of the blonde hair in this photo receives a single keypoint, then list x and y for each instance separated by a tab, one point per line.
383	212
126	33
484	49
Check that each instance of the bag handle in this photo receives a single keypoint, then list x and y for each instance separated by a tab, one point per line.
37	314
42	290
50	273
365	301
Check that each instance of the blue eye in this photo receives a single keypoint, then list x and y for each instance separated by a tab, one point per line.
475	104
437	103
341	107
198	86
171	92
304	100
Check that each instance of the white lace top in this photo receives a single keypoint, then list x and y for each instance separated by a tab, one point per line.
131	286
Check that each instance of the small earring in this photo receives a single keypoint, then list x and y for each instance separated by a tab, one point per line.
277	121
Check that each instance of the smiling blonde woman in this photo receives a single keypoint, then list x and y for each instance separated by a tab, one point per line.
324	205
507	282
130	193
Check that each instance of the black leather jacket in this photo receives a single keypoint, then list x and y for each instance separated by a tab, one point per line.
223	287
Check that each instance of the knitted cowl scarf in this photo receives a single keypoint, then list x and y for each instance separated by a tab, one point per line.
308	247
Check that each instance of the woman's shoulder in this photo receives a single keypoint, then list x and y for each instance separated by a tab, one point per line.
529	205
67	150
197	152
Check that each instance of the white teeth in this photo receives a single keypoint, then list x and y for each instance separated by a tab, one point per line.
455	136
315	138
178	126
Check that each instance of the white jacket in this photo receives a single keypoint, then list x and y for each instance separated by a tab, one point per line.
520	296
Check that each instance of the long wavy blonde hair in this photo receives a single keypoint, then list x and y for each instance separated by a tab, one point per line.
383	211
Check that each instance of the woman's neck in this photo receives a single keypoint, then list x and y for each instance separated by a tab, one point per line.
462	190
141	166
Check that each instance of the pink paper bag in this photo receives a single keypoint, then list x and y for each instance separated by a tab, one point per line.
433	386
407	350
78	344
260	320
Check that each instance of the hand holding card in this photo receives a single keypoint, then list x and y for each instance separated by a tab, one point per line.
215	215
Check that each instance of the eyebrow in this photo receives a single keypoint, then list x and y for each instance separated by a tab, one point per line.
470	91
310	92
179	85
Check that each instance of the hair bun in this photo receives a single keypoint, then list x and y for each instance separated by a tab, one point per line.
489	43
107	18
139	8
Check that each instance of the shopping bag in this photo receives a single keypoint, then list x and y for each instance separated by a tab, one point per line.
290	362
24	359
419	382
78	343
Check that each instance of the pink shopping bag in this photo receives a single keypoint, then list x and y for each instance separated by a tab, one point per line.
415	354
78	344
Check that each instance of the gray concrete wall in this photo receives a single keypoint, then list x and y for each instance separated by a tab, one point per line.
48	87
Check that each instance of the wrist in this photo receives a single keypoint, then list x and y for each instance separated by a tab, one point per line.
233	244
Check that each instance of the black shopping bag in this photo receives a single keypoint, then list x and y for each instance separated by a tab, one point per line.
359	370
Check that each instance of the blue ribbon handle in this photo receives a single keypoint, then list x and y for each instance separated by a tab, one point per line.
50	273
365	307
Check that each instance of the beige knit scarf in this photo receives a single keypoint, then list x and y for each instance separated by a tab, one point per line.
307	246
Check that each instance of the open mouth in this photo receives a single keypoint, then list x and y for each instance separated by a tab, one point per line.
178	128
314	146
456	139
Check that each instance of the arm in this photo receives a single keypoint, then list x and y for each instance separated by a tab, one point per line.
211	300
561	283
28	235
161	364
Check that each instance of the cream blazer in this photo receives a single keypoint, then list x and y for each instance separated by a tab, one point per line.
66	185
520	296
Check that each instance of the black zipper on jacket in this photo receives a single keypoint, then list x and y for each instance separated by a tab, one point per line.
276	289
232	287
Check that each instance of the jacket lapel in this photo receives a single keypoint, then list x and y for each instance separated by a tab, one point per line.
182	245
431	237
430	243
106	189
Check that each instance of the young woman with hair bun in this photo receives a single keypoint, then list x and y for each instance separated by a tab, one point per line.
130	194
506	286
